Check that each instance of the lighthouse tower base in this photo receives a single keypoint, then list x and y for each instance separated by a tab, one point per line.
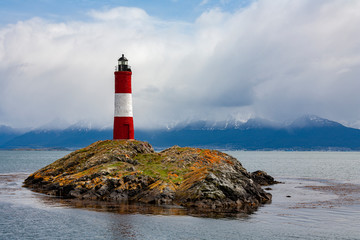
123	128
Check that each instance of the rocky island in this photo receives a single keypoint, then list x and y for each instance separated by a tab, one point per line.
130	170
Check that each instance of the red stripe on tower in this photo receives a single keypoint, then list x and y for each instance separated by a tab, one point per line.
123	117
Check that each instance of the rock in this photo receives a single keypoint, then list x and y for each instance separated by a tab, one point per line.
262	178
130	170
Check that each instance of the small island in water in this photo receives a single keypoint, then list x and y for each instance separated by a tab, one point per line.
131	171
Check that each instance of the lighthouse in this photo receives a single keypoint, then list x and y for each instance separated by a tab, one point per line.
123	116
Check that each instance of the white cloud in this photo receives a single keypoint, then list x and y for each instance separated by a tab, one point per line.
204	2
274	59
120	14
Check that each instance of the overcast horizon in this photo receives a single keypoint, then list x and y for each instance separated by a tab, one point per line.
191	60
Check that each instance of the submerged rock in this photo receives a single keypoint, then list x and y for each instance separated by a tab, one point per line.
263	178
130	170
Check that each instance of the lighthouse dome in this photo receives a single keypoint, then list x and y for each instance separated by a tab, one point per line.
123	64
123	58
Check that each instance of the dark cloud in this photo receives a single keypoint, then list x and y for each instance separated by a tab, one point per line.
272	59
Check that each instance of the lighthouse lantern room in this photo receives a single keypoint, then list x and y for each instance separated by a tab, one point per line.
123	117
123	64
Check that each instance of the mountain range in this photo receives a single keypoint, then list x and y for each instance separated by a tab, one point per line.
305	133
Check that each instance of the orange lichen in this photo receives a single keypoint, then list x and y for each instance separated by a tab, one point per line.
155	184
96	180
172	175
193	177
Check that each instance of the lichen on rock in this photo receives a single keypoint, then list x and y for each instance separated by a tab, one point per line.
130	170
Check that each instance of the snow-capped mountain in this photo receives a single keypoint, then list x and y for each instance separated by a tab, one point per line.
313	121
306	121
305	133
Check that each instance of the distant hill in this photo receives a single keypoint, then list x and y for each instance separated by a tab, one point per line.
70	138
7	133
305	133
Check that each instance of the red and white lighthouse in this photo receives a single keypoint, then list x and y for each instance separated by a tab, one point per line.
123	117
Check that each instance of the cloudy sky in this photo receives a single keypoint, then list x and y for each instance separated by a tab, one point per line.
191	60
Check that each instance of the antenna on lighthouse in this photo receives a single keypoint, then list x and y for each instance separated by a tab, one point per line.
123	116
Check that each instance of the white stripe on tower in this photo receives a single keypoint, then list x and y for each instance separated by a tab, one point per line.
123	105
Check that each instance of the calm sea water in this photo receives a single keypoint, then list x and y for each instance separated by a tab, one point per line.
318	200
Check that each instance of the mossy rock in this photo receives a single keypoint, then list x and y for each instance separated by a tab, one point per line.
130	170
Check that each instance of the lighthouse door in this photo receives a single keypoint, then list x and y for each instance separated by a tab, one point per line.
125	131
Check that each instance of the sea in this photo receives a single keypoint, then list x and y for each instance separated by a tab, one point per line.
319	198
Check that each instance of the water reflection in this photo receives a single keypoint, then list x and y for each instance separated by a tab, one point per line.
11	184
327	194
135	208
124	228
